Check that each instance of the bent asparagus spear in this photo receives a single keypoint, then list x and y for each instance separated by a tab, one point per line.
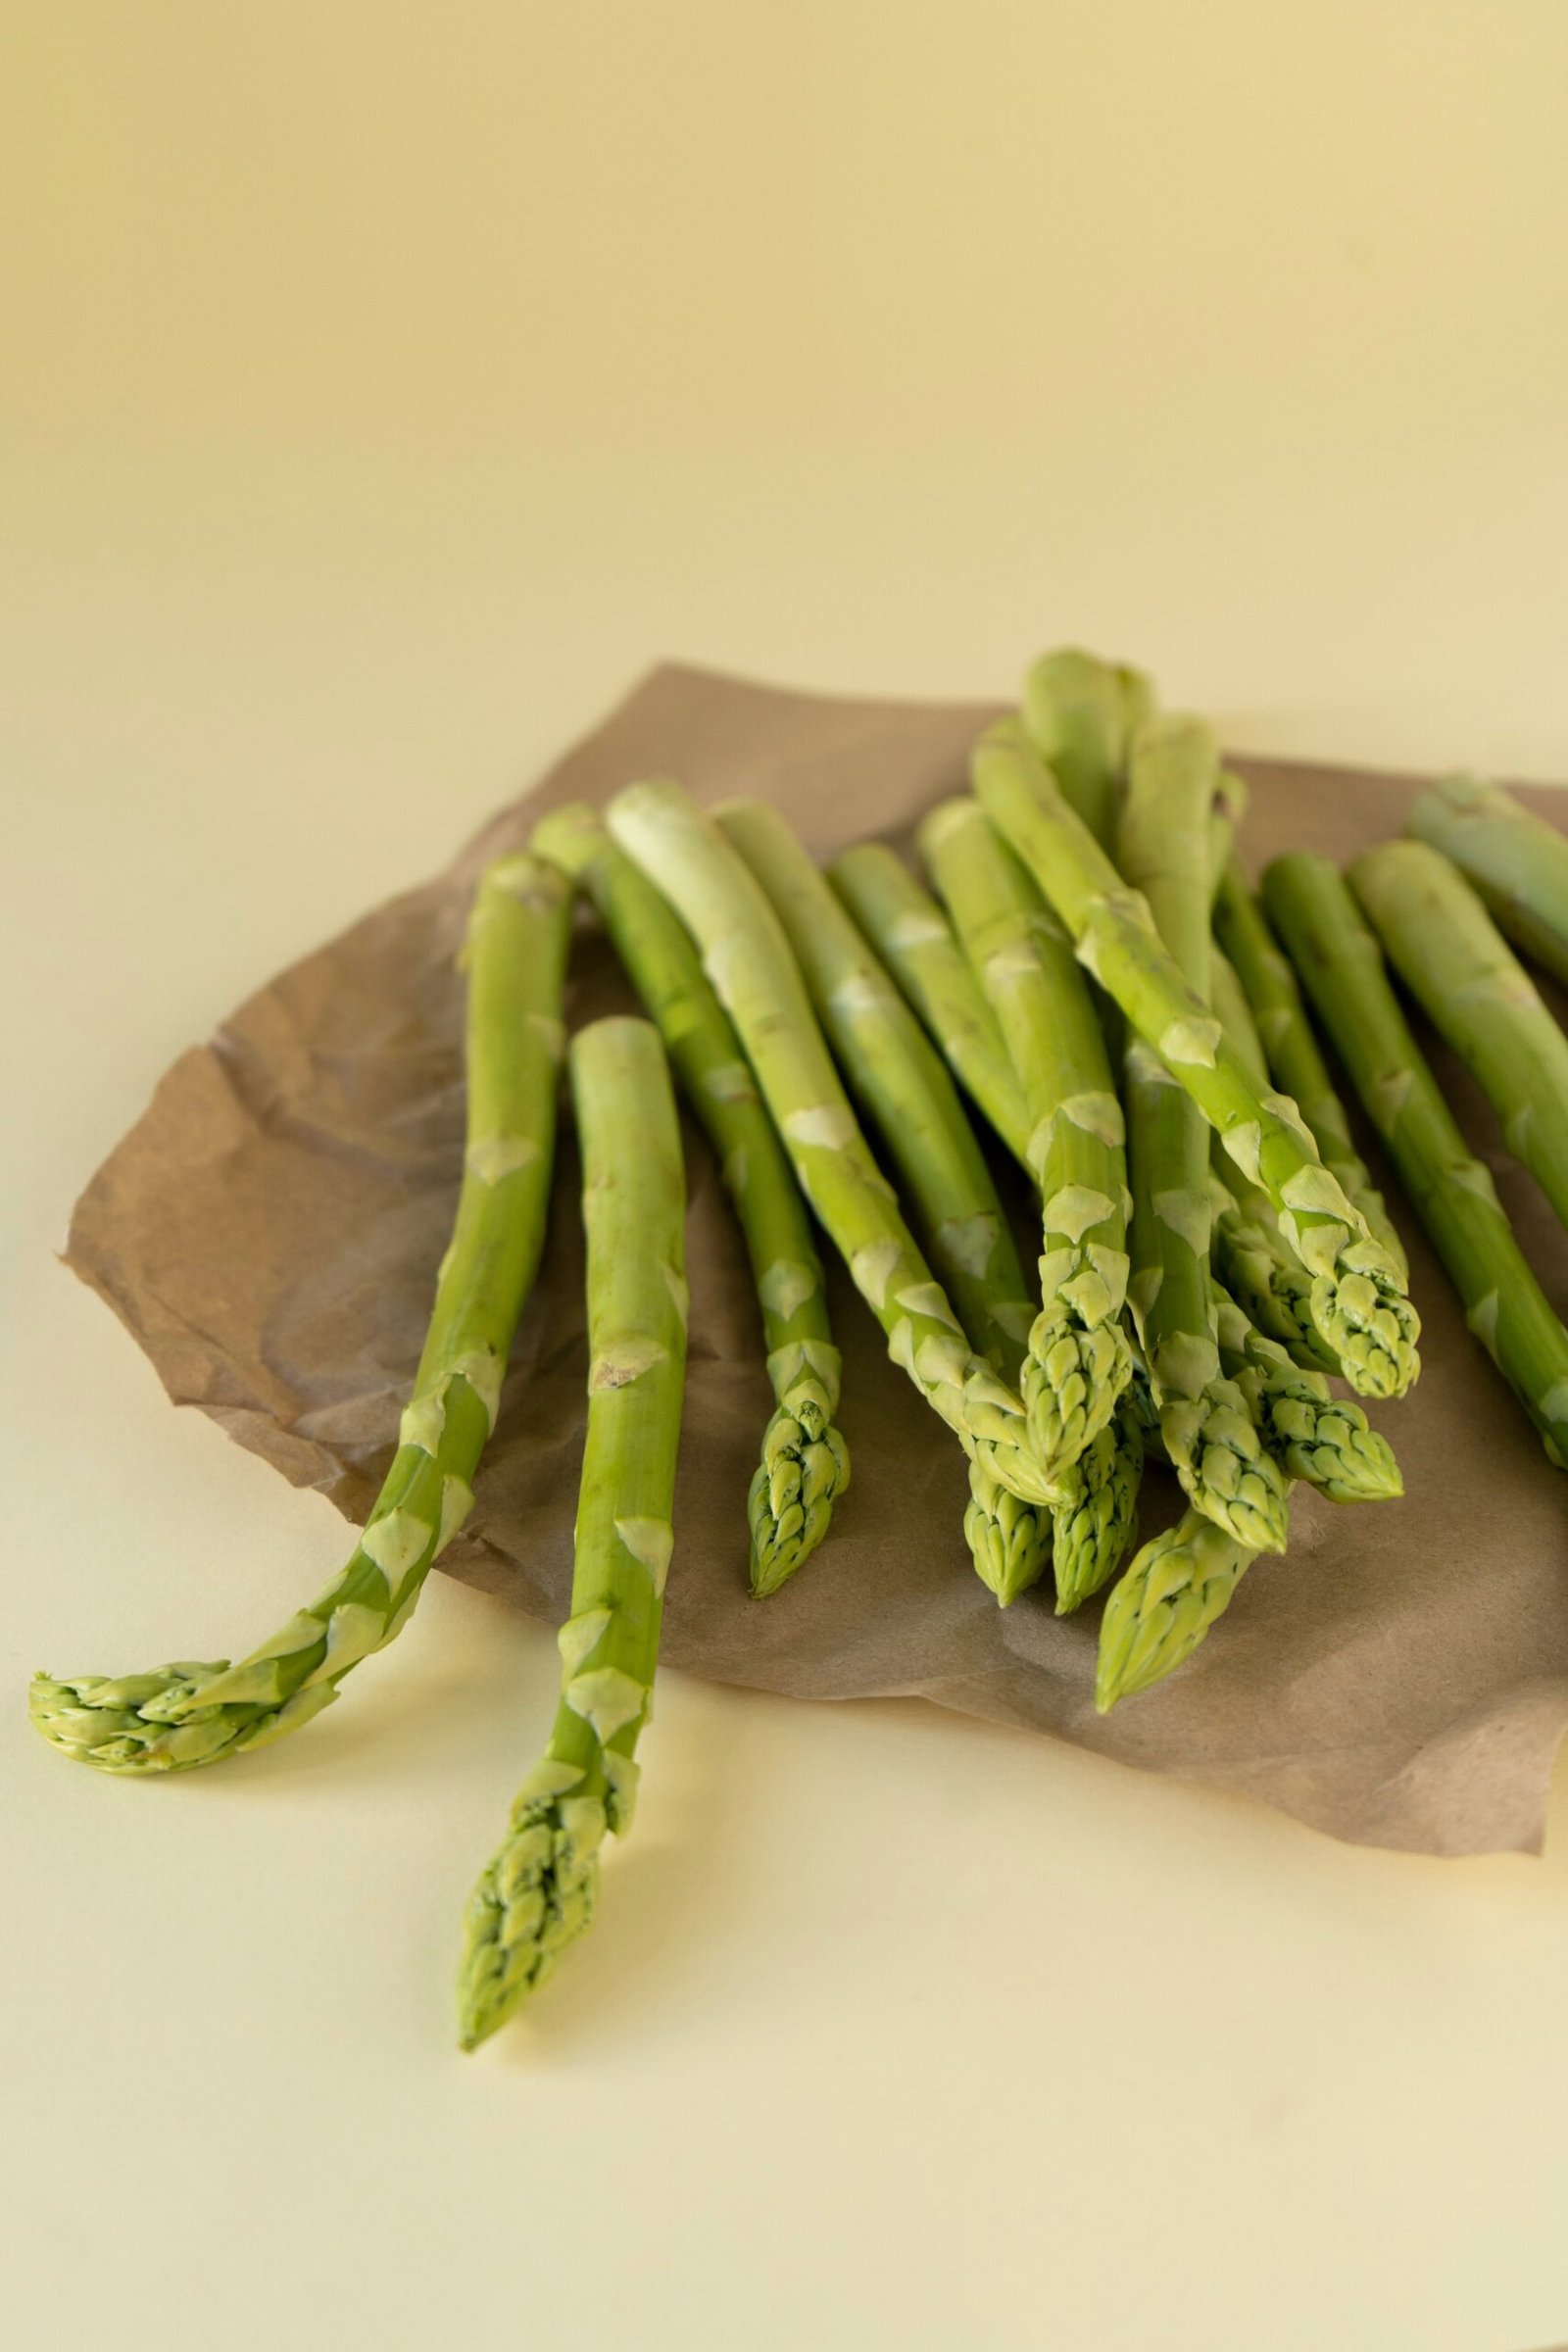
1081	714
914	940
1450	955
806	1465
538	1892
185	1715
1517	862
1312	1435
747	960
1452	1191
1079	1360
1210	1436
1359	1299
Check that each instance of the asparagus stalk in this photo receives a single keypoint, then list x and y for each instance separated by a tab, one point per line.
806	1465
1312	1435
1271	990
1081	714
1093	1523
180	1716
538	1892
1358	1299
1451	1192
1445	947
1231	796
902	1086
747	960
1517	862
1078	1360
914	940
1214	1443
1163	1609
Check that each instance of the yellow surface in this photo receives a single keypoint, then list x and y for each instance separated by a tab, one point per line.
384	387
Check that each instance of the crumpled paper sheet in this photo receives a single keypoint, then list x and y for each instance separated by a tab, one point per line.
270	1229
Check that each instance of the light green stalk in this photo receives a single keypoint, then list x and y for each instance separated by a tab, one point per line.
1081	714
914	940
747	960
806	1465
902	1085
1214	1443
1451	1192
1093	1524
1359	1299
1271	991
1312	1435
1163	1609
1517	862
539	1891
1451	957
180	1716
1230	798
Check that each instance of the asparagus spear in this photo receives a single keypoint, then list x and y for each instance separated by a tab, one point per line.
1163	1606
1093	1523
1358	1299
1445	947
1212	1440
1230	806
901	1083
747	960
1312	1435
805	1465
1081	714
1517	862
1271	991
914	940
538	1892
1452	1192
187	1714
1078	1361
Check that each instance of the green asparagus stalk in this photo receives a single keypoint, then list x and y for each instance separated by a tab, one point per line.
1451	1192
1214	1446
1271	990
1517	862
1314	1436
914	940
806	1465
747	960
1451	957
1231	796
1359	1299
1163	1609
1093	1523
902	1086
1078	1360
539	1892
1081	714
188	1714
1011	1542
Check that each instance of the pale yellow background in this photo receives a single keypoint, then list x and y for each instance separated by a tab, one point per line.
384	387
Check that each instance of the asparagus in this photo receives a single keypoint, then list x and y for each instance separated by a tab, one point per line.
1517	862
1445	947
1212	1440
1231	796
192	1713
1312	1435
538	1892
914	940
1270	989
1451	1192
1164	1605
1010	1542
806	1465
1081	714
1358	1299
1093	1523
747	960
1078	1360
901	1083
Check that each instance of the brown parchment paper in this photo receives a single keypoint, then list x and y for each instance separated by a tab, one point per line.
269	1232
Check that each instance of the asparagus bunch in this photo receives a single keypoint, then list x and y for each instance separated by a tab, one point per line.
188	1714
914	940
1210	1436
747	960
806	1465
538	1892
1516	861
1078	1360
1444	946
1451	1192
1360	1303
